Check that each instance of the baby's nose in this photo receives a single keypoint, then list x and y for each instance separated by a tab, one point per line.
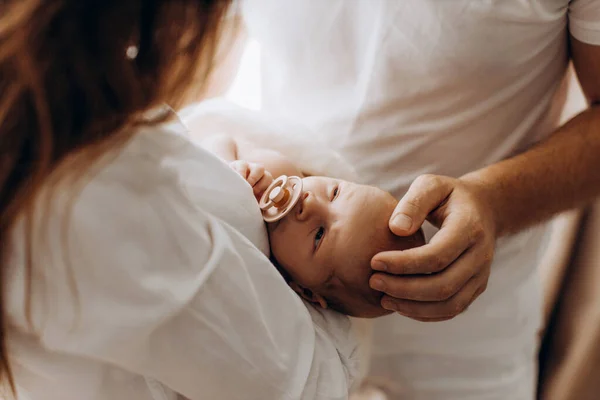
304	207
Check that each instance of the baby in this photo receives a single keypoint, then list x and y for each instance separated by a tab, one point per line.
324	245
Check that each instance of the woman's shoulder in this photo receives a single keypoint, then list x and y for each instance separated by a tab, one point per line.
162	174
131	232
159	180
149	213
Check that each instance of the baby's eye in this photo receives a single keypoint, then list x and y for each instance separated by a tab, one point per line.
335	193
318	236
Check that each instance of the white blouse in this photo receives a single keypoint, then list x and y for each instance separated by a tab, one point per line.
161	276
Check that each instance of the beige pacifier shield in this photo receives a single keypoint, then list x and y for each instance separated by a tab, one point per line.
270	212
266	201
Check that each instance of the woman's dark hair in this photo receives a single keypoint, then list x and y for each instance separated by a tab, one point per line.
76	76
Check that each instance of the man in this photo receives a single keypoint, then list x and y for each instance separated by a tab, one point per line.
453	107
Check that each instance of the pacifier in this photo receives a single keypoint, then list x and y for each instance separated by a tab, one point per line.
280	197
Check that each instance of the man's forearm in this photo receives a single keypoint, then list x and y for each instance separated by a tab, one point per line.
560	173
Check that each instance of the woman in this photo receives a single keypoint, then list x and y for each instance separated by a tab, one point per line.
450	106
134	263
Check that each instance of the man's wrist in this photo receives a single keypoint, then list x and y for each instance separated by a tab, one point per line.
490	195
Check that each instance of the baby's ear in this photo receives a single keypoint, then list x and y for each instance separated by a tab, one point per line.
309	295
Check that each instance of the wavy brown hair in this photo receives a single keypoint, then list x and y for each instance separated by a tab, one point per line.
75	78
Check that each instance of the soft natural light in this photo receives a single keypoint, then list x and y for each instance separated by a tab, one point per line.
245	89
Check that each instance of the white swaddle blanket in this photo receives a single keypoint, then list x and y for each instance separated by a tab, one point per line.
223	117
351	337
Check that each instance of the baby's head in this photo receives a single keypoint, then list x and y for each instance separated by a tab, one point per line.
325	244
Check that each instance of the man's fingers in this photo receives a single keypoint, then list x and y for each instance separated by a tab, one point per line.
425	194
432	287
443	248
437	311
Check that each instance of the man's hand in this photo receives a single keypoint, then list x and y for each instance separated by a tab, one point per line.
441	279
255	174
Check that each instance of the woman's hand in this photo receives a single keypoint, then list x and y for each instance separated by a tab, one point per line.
439	280
255	174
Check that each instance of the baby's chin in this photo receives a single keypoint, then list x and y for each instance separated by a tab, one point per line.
370	307
368	304
407	242
361	302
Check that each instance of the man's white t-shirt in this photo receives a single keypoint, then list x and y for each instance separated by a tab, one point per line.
403	88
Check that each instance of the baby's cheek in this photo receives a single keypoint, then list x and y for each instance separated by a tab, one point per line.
311	275
307	274
299	267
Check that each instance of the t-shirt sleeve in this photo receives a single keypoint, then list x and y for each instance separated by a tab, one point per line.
167	291
584	20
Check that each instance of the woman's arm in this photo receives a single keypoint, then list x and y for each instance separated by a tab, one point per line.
169	292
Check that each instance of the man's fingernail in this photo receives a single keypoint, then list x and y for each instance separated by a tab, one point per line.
402	221
379	266
377	284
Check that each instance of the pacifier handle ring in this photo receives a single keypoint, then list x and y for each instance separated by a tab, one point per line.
292	186
265	201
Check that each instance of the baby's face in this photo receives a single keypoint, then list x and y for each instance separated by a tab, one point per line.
325	244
